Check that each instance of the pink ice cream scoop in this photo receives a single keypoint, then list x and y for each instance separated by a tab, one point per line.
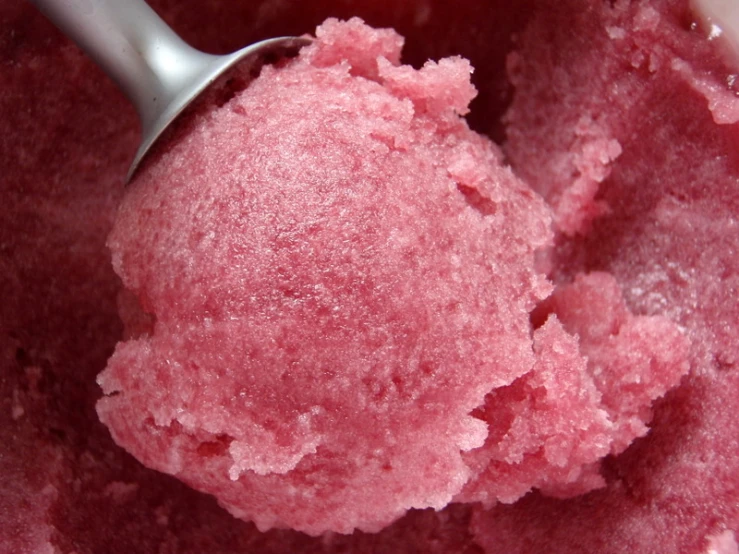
333	277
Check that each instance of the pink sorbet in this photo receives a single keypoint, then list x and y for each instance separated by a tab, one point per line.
559	416
339	275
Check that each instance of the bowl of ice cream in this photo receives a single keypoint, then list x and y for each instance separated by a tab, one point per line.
349	308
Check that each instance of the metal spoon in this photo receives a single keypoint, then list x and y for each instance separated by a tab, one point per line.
159	72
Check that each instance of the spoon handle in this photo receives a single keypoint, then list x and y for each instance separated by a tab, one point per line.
132	44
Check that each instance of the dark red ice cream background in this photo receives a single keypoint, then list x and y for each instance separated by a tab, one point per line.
67	137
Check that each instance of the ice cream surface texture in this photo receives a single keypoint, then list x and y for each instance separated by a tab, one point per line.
605	256
338	271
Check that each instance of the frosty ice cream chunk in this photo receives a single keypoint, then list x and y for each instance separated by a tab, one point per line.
598	370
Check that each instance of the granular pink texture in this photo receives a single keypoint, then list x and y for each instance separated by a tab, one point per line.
624	104
339	271
640	75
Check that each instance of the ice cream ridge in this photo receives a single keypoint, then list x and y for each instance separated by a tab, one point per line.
338	306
